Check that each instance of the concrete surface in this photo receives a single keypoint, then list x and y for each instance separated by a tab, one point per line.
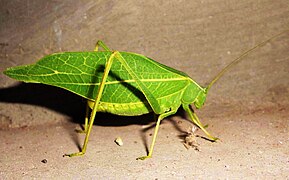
247	108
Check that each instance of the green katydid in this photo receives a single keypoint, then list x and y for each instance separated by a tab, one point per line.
121	83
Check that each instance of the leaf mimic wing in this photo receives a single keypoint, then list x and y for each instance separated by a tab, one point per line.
81	72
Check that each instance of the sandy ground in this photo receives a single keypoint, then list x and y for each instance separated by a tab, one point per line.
252	145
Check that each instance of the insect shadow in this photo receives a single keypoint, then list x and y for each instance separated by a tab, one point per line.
45	96
63	102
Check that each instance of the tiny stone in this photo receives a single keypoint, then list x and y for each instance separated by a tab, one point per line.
118	141
44	161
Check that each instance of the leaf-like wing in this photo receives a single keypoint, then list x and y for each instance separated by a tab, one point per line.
81	72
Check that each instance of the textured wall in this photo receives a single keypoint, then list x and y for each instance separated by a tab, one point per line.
197	37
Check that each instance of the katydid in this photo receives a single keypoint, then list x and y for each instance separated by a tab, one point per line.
121	83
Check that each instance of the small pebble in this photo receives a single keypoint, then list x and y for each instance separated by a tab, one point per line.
118	141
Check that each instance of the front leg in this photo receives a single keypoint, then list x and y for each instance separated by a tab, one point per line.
197	122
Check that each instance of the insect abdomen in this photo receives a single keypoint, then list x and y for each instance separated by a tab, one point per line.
123	109
139	107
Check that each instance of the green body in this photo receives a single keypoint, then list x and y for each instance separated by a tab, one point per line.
81	73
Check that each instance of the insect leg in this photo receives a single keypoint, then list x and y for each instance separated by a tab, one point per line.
196	121
161	117
101	44
85	120
96	103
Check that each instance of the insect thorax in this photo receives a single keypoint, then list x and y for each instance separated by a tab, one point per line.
195	94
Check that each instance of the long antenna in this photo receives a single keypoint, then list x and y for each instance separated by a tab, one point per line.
241	58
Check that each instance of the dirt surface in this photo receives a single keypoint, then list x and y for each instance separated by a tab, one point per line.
251	146
247	109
